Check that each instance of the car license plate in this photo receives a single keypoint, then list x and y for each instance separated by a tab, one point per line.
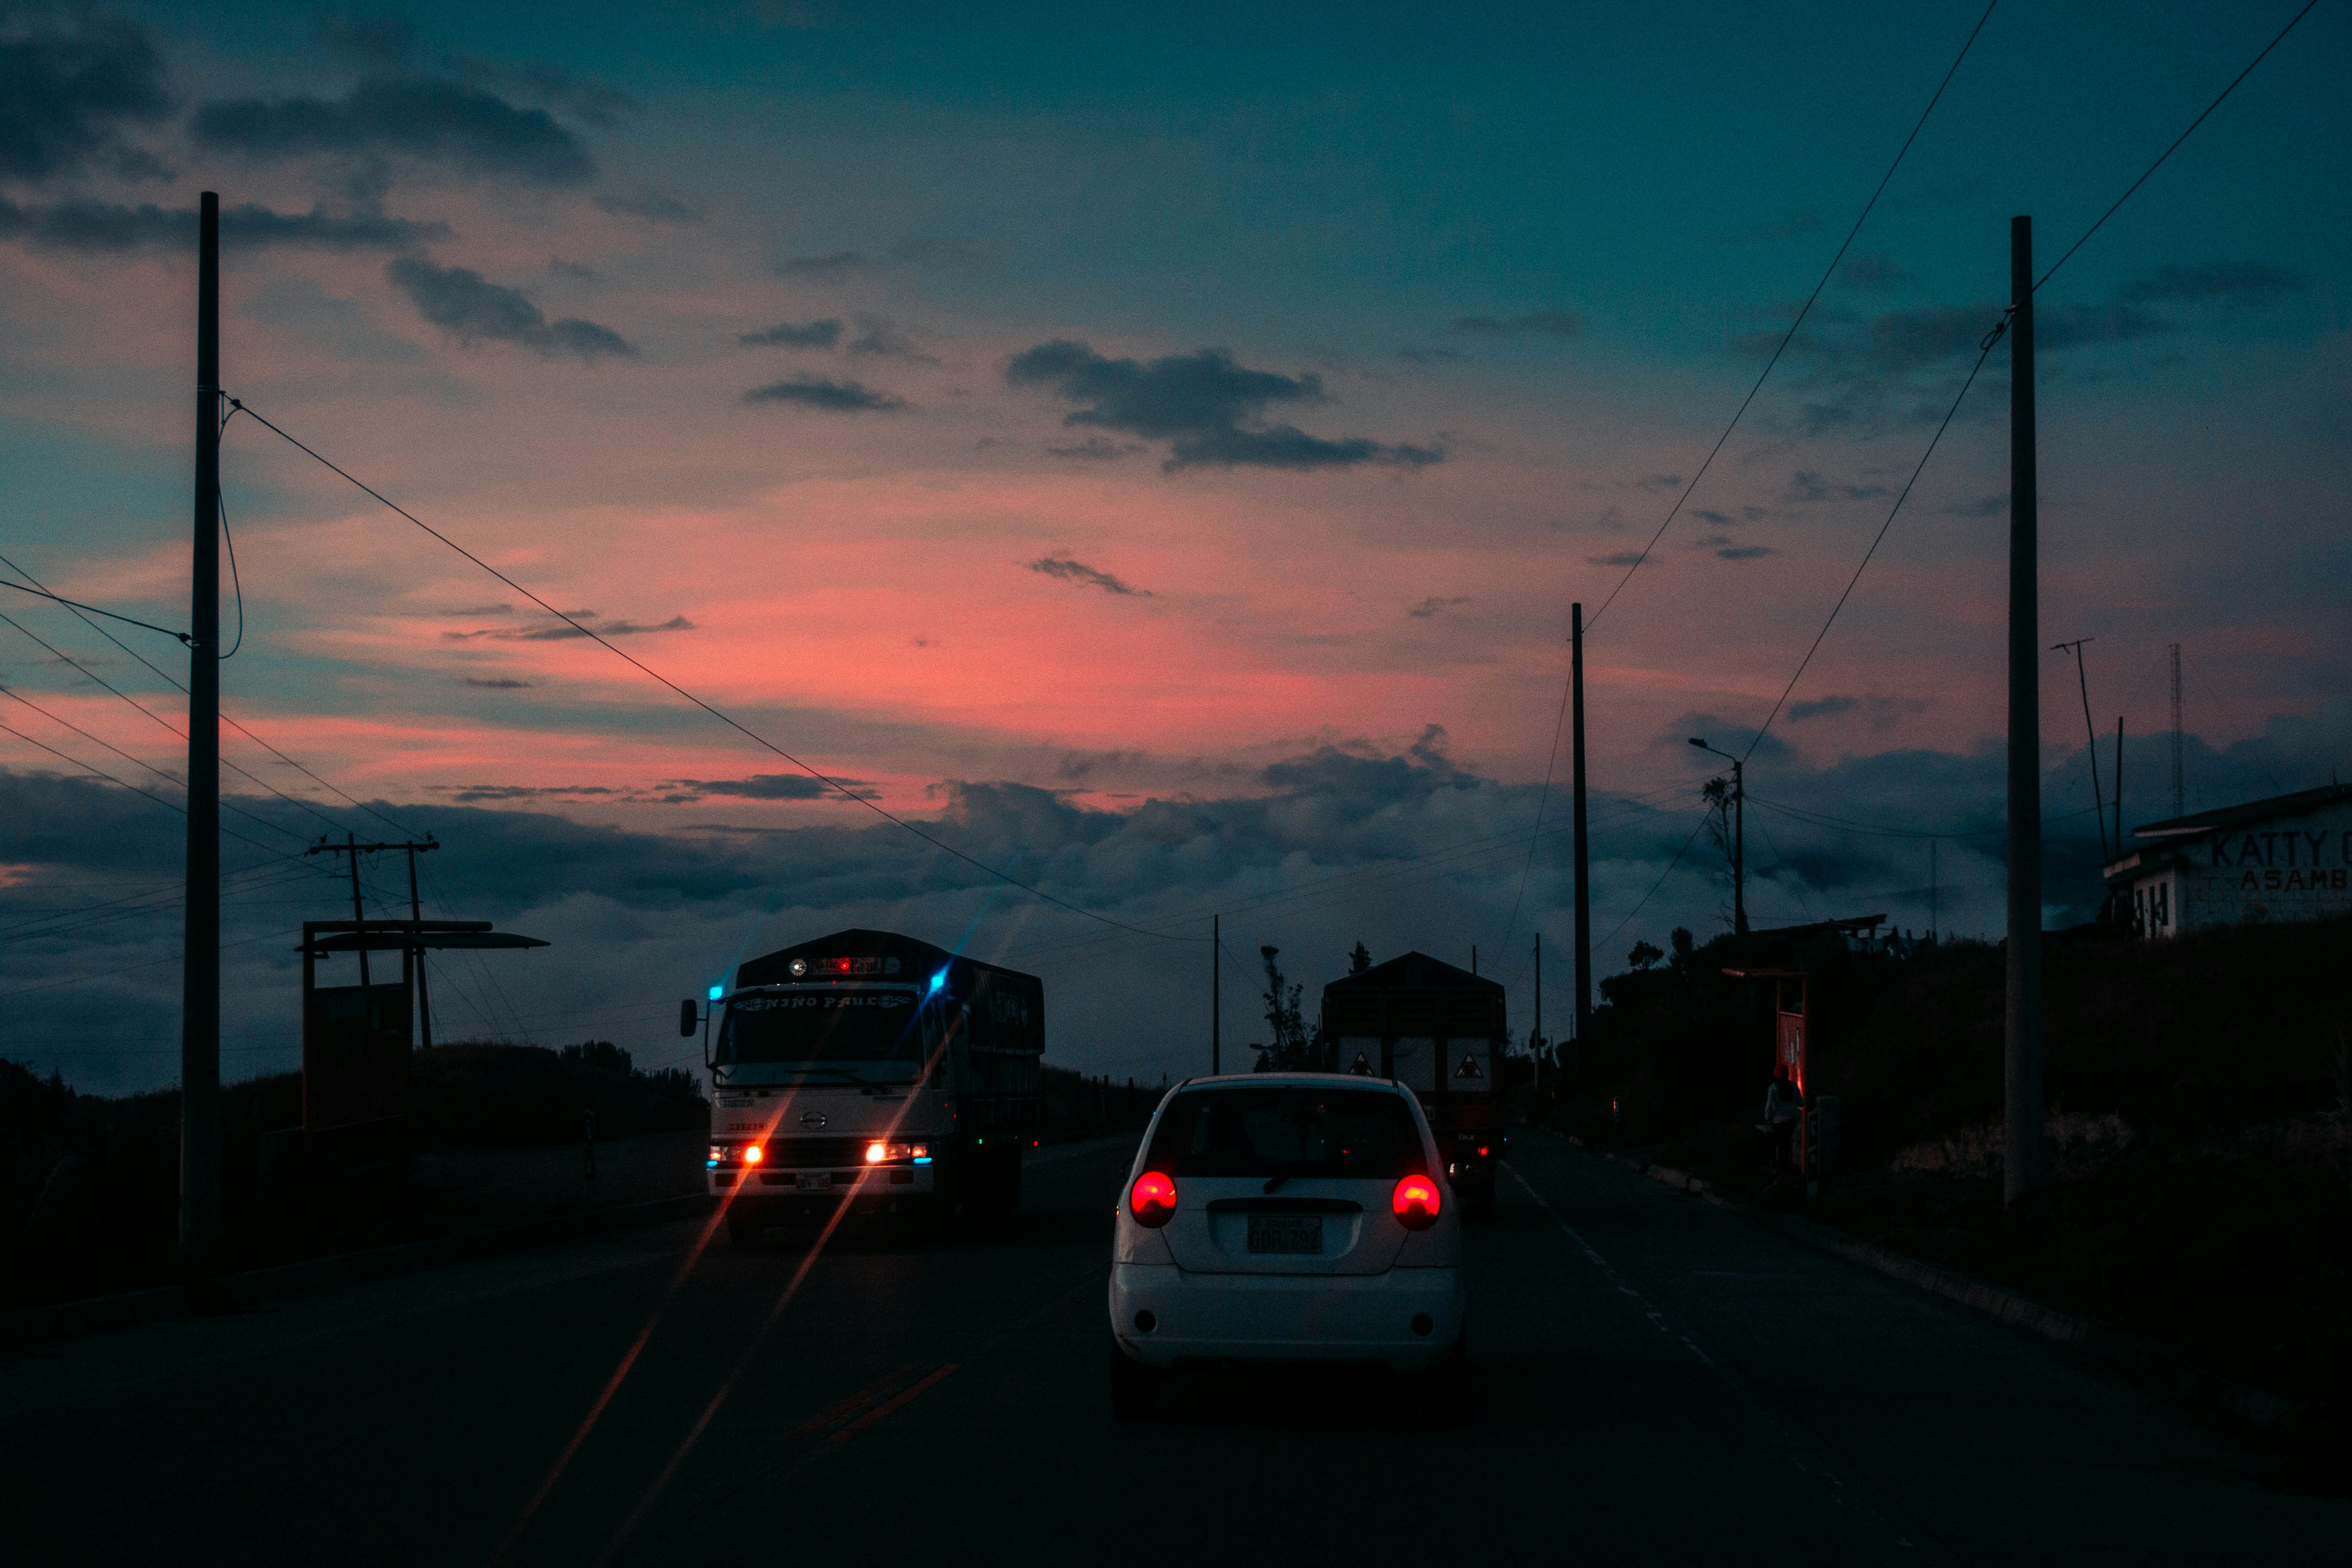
1286	1232
814	1180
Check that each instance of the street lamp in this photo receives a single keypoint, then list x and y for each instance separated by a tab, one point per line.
1739	837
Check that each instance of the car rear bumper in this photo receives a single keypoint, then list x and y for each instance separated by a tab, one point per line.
1364	1318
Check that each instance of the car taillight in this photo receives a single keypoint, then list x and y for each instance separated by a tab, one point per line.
753	1153
1152	1199
1414	1203
876	1153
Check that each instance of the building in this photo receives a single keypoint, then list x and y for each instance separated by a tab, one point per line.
2285	858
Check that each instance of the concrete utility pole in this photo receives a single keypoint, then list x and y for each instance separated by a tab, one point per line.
1583	890
1738	836
1217	1002
200	1135
2021	1169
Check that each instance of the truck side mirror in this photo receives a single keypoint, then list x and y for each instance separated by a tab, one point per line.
689	1017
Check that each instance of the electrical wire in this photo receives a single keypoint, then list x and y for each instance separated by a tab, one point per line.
1551	762
757	739
93	609
2177	141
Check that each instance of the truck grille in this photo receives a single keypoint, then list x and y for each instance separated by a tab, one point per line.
811	1153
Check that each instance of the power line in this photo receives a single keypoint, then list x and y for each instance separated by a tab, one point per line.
1802	312
1551	761
715	712
134	788
93	609
1985	350
2177	141
174	683
1876	540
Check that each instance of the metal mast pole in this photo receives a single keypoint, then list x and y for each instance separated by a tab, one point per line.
2179	803
200	1136
1583	888
2022	1162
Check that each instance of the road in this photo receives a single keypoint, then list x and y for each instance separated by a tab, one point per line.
1654	1380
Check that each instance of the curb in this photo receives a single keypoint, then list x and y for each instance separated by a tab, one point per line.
2169	1371
240	1291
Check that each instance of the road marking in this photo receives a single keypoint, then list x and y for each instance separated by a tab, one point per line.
871	1392
871	1417
1794	1446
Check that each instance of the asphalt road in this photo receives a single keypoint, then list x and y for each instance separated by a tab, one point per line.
1652	1380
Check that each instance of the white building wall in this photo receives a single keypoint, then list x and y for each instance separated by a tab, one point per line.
2294	868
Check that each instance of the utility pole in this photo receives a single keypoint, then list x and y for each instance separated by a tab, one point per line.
1583	890
352	847
1738	836
2022	1162
2091	747
200	991
1534	1038
416	913
1935	888
1217	1002
2179	805
1473	958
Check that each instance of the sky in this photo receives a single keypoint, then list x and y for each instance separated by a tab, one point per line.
1155	456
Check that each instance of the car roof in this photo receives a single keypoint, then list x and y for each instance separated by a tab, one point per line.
1308	1079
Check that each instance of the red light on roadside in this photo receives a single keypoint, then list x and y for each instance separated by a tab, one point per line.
1152	1199
1482	1150
753	1153
1414	1203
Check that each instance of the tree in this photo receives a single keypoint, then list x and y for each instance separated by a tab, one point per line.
1294	1046
1359	960
1644	954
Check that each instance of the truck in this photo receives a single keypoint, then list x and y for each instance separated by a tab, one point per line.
1441	1032
870	1071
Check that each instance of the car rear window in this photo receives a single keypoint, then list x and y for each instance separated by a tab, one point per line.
1288	1131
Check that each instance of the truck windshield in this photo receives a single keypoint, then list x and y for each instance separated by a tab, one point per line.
1288	1131
845	1027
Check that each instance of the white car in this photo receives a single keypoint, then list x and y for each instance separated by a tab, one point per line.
1286	1217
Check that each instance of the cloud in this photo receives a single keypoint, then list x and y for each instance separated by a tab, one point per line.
1720	520
1806	484
768	786
2238	280
103	226
472	310
1534	323
1208	408
834	397
825	269
1095	449
1872	272
499	684
478	133
1427	356
1660	482
557	266
1070	571
562	631
1743	552
1430	606
1982	506
934	251
1623	557
65	99
652	206
792	335
474	794
877	339
1880	712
